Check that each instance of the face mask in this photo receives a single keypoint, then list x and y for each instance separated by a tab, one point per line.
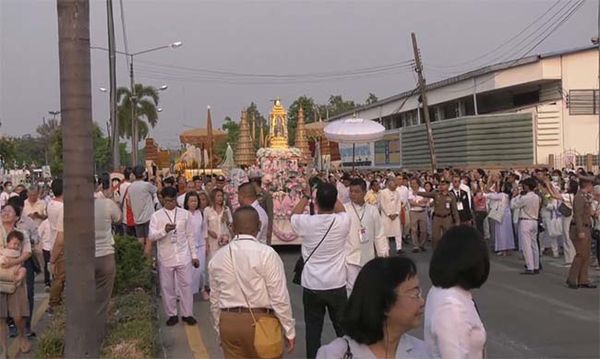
555	178
9	188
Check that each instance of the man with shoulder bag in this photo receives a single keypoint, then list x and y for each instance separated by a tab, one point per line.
323	264
249	300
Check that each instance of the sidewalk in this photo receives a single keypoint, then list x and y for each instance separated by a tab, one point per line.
38	322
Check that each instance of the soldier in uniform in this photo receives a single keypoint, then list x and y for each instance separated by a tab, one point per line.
445	212
581	235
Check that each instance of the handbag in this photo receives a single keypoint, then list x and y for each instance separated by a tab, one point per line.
7	287
299	266
268	334
564	210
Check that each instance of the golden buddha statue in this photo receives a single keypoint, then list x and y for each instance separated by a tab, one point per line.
278	132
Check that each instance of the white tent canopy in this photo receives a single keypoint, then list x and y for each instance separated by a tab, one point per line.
354	130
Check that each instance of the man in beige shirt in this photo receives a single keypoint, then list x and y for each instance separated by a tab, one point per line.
244	275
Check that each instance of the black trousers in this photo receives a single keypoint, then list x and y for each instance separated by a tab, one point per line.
315	302
47	277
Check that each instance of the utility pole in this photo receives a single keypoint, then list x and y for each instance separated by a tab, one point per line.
114	119
133	99
419	70
81	340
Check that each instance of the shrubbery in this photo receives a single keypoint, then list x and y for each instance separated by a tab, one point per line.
132	327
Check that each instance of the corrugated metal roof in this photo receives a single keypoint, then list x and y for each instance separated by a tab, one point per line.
471	74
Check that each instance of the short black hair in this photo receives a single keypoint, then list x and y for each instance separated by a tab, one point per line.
187	198
15	234
104	180
373	295
530	182
127	173
460	259
326	196
138	171
314	181
170	192
169	180
57	187
359	182
196	178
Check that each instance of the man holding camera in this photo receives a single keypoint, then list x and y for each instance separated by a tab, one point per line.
172	229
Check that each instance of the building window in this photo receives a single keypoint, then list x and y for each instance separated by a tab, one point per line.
526	98
583	102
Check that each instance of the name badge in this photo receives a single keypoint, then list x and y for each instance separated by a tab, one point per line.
459	206
447	205
362	235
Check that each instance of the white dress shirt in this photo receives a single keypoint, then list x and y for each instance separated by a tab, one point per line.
529	205
44	234
326	269
404	192
197	220
359	246
177	247
259	272
343	192
412	196
453	328
264	222
408	347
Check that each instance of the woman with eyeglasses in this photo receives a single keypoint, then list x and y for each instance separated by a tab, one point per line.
15	303
460	263
385	304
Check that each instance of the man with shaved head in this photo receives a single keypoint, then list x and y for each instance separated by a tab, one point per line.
247	197
247	279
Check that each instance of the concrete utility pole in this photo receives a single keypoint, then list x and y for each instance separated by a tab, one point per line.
419	70
114	119
81	340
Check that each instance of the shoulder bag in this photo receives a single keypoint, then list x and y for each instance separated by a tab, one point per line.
268	334
564	210
299	267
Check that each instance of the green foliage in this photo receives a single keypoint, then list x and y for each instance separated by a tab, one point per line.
133	270
146	110
337	105
7	150
371	99
52	340
233	133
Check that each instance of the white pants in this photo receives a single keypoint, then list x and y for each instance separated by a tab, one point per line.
176	281
398	242
568	247
198	274
352	271
531	251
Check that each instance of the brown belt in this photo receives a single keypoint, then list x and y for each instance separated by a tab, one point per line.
246	310
440	216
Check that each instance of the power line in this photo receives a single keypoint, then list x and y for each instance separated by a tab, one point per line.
501	45
125	43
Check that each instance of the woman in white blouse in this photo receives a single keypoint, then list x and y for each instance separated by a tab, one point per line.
453	328
192	204
217	224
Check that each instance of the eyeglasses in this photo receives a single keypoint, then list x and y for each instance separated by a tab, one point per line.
417	295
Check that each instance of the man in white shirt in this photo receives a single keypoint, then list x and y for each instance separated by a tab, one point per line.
172	228
247	274
323	251
366	233
125	204
141	196
6	193
247	197
343	188
57	257
529	207
390	212
418	216
402	184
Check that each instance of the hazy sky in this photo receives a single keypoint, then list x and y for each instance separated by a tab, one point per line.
262	37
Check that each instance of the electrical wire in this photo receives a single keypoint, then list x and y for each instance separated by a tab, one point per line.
125	42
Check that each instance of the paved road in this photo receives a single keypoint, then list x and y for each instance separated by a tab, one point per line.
525	316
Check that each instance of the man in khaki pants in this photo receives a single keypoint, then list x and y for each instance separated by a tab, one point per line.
581	235
445	212
418	216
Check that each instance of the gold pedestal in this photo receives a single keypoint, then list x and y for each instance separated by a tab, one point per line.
279	142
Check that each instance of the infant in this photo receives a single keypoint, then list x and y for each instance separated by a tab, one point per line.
12	272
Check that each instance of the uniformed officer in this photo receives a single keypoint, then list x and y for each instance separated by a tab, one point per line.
581	235
445	212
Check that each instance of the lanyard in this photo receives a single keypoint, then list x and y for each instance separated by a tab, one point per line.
360	218
169	217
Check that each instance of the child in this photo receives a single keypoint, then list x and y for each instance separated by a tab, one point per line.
15	273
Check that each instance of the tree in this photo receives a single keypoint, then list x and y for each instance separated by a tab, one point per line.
7	151
371	99
81	340
233	133
308	106
146	110
337	105
253	113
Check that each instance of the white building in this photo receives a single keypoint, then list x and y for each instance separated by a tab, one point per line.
531	111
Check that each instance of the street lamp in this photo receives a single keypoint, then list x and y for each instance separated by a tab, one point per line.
133	98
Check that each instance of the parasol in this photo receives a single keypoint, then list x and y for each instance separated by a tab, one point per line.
353	131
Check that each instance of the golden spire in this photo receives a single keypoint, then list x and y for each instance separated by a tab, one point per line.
301	140
244	151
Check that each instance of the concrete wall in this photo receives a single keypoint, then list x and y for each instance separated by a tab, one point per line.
488	140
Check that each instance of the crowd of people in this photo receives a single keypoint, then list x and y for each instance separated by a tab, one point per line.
350	224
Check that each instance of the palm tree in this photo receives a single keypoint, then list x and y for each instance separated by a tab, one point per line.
146	109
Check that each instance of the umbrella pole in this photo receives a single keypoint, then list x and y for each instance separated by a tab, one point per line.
353	148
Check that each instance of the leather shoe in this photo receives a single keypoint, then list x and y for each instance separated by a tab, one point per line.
172	321
572	285
528	272
588	285
536	271
189	320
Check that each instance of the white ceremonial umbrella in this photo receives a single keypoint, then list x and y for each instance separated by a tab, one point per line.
353	131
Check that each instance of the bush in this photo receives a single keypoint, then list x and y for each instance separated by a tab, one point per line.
52	341
133	269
